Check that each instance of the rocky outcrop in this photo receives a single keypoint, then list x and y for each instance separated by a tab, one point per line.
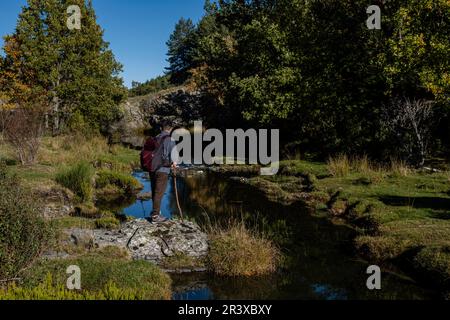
58	201
180	104
154	242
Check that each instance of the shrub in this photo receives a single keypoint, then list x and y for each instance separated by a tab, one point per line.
23	233
125	182
23	130
78	179
240	252
339	166
140	278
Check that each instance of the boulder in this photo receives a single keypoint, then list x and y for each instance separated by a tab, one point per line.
58	201
80	237
154	242
180	104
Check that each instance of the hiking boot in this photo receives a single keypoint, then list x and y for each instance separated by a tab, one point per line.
159	219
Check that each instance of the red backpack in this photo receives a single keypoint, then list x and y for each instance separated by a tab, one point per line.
148	153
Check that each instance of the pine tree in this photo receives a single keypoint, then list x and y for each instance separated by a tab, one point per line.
180	47
75	69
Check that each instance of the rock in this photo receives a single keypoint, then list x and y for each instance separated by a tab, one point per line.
81	237
56	210
154	242
180	104
58	201
144	196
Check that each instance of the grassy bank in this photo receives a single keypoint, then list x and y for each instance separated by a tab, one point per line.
104	276
76	172
66	151
402	214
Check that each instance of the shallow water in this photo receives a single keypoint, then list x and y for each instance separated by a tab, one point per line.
319	263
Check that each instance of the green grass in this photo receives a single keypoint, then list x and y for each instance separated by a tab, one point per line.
122	157
73	222
48	290
435	260
139	278
182	261
67	151
125	182
109	223
299	167
397	209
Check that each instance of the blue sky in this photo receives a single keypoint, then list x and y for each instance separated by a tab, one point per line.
136	29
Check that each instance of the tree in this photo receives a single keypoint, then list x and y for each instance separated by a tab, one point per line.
23	129
314	70
180	47
150	86
409	121
74	69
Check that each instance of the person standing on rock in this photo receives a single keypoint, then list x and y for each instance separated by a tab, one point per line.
156	159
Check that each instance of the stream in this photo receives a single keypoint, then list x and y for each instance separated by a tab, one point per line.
319	263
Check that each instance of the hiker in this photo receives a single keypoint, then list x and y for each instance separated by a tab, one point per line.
156	159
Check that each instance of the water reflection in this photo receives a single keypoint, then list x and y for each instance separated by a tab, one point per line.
317	266
144	208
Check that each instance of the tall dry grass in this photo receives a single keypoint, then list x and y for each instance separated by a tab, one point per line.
342	165
238	251
399	168
339	166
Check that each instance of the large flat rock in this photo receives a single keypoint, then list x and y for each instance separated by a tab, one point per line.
153	242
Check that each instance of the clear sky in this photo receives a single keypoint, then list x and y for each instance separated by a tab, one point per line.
136	29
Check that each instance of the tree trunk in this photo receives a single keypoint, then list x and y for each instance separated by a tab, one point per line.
55	109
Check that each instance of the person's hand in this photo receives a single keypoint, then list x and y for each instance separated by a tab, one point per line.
174	165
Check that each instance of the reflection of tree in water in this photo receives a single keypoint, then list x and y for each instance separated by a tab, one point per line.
318	263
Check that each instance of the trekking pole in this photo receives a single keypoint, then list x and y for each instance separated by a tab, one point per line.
176	193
